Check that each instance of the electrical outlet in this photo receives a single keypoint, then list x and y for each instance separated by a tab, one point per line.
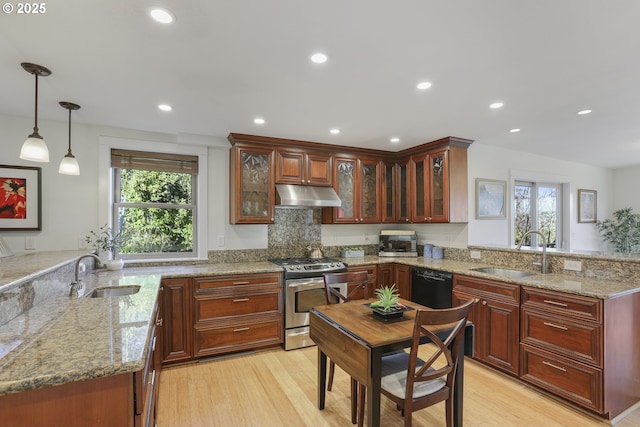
30	243
474	254
221	241
572	265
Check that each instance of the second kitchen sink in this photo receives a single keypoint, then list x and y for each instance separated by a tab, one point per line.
507	272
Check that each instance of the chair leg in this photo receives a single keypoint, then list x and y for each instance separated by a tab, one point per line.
448	406
354	400
332	368
362	395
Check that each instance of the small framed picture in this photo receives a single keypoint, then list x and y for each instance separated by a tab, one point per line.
20	199
587	206
490	198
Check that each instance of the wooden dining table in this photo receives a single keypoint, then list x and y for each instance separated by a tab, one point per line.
351	337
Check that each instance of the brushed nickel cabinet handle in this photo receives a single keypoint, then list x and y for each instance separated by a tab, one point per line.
240	283
159	322
564	328
556	303
240	329
241	300
560	368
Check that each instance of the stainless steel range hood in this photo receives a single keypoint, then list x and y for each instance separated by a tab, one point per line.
307	196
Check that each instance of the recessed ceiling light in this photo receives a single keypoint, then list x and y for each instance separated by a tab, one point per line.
514	130
496	105
583	112
423	85
334	131
165	107
394	140
319	58
258	121
160	15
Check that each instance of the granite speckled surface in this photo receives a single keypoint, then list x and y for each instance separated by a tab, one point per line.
585	286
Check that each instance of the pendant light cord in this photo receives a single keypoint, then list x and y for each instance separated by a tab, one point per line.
35	124
69	151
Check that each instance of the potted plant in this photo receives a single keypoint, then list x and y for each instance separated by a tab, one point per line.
623	232
388	306
108	244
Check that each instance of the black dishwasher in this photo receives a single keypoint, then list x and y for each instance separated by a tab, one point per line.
431	288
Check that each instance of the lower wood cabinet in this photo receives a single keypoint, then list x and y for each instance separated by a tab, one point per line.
372	273
175	298
398	274
496	318
236	313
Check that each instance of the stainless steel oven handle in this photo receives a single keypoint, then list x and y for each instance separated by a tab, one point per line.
305	283
297	334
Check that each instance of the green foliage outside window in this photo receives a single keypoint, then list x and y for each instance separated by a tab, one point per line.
155	212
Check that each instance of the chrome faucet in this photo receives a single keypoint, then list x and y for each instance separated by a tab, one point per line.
76	286
543	265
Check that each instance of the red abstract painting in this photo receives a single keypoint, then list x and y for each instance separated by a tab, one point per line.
13	198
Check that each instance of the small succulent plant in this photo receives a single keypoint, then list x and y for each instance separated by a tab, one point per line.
388	297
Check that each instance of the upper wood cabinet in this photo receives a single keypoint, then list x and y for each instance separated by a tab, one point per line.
396	191
440	185
303	168
357	182
252	190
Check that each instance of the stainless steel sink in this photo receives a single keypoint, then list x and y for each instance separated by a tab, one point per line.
507	272
114	291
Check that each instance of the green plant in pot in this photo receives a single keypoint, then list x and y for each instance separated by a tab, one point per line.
623	231
388	297
108	243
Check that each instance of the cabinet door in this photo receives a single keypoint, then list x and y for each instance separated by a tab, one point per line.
369	191
253	192
402	277
403	192
319	169
176	311
389	187
345	186
419	181
501	341
372	274
438	200
290	167
386	275
460	298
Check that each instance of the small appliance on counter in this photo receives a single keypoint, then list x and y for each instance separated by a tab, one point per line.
398	243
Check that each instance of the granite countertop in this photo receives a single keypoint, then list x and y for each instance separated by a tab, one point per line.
595	288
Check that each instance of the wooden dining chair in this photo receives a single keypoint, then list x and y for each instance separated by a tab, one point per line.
357	288
413	383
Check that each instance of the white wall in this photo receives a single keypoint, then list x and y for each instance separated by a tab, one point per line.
70	204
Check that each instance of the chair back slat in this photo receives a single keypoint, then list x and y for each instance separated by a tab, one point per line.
356	280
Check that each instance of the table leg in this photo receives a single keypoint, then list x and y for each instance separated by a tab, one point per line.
373	389
322	377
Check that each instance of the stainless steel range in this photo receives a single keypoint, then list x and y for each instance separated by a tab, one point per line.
304	289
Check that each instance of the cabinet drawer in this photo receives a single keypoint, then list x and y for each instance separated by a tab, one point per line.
208	307
487	288
217	339
564	304
211	284
577	340
579	383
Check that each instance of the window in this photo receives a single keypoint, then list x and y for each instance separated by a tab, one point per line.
154	203
538	206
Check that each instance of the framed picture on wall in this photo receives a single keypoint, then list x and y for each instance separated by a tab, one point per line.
20	198
490	198
587	206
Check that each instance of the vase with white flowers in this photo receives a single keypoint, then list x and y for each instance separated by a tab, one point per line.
108	244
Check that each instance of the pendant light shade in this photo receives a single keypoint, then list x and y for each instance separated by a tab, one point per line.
34	148
69	165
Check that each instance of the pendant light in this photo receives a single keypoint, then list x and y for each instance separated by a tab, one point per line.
34	148
69	164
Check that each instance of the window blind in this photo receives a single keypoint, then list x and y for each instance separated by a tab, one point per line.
128	159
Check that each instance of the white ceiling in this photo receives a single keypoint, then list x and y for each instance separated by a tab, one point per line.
225	62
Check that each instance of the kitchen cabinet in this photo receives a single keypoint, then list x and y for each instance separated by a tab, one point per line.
357	183
252	188
396	191
147	381
398	274
237	313
439	185
372	274
303	168
176	321
496	318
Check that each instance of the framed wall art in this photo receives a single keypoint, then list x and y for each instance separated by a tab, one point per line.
490	198
587	206
20	198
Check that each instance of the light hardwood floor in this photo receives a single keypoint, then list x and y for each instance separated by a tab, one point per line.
278	388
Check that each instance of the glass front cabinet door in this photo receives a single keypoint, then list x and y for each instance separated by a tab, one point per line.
252	193
431	183
357	182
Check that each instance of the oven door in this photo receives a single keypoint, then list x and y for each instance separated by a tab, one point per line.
304	294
